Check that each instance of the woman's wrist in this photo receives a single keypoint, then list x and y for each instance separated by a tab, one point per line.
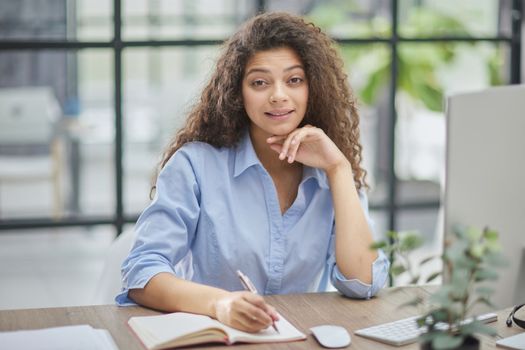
343	166
216	299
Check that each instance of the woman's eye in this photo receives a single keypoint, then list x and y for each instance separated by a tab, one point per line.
258	83
296	80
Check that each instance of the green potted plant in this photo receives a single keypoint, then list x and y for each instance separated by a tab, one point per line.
469	264
400	246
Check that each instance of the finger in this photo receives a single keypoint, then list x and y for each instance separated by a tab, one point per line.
276	147
245	324
253	319
258	308
254	299
247	316
258	317
295	143
270	310
276	139
287	142
297	140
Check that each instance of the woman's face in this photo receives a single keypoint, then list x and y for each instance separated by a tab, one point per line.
275	92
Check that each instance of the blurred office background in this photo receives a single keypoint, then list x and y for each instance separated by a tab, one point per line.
91	92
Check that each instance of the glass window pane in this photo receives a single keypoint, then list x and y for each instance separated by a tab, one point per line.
452	17
56	19
160	86
342	18
96	133
380	222
368	68
56	138
427	73
94	19
185	19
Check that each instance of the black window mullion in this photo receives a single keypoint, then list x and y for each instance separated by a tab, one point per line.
117	47
392	180
515	46
261	6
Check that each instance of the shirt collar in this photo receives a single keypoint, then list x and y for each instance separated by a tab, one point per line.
246	157
317	174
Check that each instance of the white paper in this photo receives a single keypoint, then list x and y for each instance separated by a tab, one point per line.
81	337
514	342
106	340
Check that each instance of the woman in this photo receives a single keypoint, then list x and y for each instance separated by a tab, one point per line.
264	177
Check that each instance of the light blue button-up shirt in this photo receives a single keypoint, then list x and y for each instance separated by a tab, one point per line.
216	211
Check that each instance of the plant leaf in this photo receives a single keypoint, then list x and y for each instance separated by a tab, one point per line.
485	274
491	235
477	327
427	259
397	269
433	276
410	241
378	245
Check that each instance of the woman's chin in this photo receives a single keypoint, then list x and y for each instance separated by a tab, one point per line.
282	130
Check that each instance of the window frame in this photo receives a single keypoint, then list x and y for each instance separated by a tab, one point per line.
391	206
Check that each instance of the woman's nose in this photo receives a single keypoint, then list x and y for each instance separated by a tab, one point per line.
278	94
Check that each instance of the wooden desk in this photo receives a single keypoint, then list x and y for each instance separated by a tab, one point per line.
303	310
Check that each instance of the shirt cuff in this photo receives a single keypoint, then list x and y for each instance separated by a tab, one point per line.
140	281
354	288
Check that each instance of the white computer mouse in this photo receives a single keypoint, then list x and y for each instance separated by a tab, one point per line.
331	336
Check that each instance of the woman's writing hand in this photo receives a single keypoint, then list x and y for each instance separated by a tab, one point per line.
308	145
245	311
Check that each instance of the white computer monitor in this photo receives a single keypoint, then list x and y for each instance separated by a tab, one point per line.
485	175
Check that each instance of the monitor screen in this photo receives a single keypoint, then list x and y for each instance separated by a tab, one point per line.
485	176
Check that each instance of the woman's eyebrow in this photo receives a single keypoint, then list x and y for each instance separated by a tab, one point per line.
264	70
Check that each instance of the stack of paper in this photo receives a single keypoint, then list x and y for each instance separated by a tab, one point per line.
81	337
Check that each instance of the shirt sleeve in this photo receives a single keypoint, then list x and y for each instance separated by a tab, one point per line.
167	226
354	288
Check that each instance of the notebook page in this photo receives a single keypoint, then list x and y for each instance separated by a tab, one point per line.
287	332
160	329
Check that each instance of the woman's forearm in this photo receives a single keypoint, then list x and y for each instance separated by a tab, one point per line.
353	236
167	292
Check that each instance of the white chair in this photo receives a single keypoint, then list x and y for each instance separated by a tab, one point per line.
109	284
30	147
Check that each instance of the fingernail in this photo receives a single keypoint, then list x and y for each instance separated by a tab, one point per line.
281	156
290	159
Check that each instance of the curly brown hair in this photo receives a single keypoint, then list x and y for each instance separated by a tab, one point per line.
219	118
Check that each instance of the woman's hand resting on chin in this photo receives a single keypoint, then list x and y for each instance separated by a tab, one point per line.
310	146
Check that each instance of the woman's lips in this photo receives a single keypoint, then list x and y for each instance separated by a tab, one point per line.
279	113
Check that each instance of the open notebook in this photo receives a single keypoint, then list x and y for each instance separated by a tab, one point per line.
183	329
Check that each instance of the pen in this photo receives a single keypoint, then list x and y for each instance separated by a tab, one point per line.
248	285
